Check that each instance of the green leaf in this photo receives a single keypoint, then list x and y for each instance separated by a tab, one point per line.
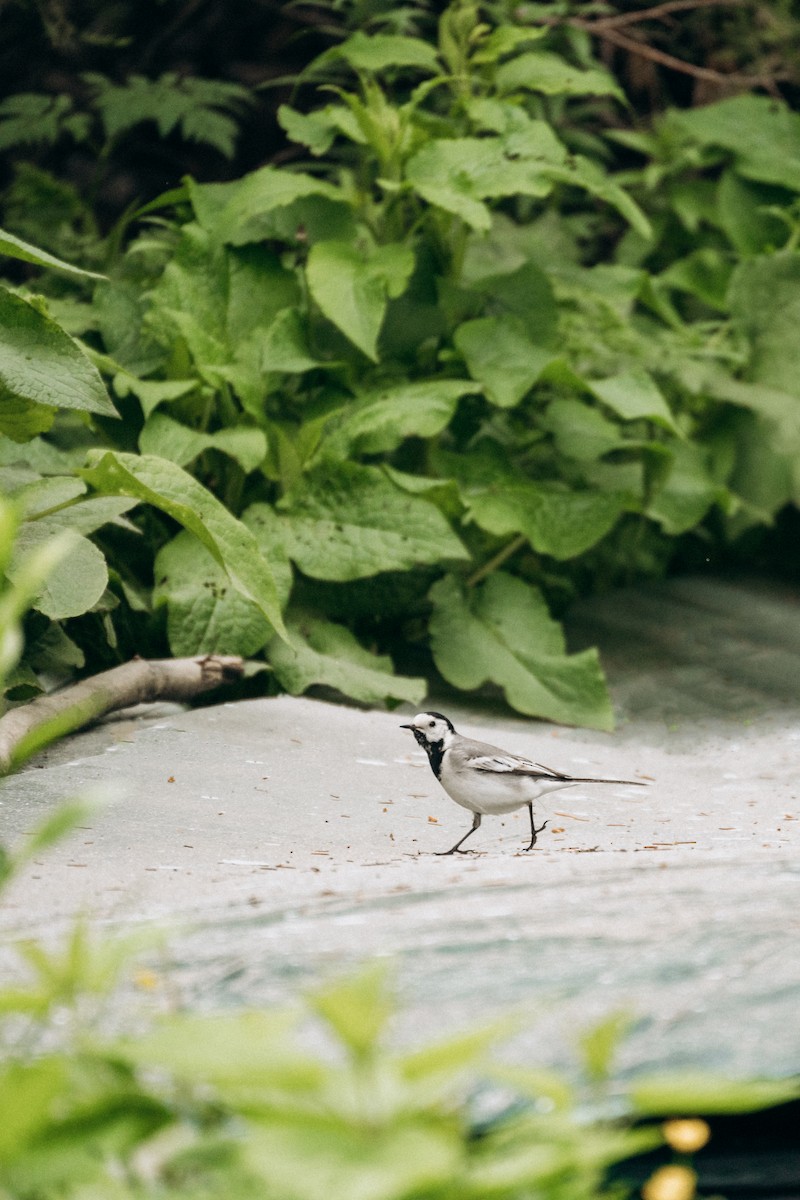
741	210
583	173
634	396
600	1043
42	365
377	52
762	133
765	304
15	247
323	653
20	419
683	1093
170	439
284	345
167	487
580	431
319	129
501	632
353	288
76	582
458	174
555	521
271	203
205	613
705	273
541	71
152	392
344	521
357	1009
687	492
37	498
382	419
501	356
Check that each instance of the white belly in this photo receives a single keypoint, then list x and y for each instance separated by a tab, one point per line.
486	792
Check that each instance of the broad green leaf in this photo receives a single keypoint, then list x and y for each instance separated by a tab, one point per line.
501	356
78	579
765	303
284	345
15	247
634	396
380	420
323	653
218	296
21	419
541	71
151	392
583	173
705	273
353	288
458	174
555	521
89	515
377	52
36	499
526	294
687	492
122	310
205	613
763	135
319	129
167	487
345	521
243	1052
271	203
580	431
682	1093
41	364
357	1009
742	211
170	439
501	632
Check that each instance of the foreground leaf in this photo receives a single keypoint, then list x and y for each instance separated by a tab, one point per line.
501	356
345	521
381	420
15	247
167	487
41	364
205	613
78	579
502	633
323	653
353	288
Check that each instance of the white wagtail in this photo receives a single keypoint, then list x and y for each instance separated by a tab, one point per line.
484	778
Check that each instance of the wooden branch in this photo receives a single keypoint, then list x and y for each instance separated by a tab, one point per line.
658	11
140	681
608	29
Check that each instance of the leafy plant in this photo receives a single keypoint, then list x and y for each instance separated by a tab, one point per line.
445	375
200	110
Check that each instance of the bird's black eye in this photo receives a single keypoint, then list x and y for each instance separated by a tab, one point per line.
431	724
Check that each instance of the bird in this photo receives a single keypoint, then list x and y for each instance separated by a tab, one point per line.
486	779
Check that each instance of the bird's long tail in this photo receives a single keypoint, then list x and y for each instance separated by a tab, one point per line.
590	778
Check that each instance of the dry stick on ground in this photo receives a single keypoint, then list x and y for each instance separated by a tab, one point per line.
139	681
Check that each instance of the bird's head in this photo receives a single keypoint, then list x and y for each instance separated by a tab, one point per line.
430	729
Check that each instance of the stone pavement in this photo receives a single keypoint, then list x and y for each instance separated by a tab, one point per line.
284	839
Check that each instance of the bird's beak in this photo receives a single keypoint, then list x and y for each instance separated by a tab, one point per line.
406	726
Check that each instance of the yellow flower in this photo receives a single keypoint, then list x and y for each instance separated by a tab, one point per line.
670	1183
687	1135
146	979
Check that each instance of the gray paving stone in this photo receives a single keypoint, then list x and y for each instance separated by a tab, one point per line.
286	838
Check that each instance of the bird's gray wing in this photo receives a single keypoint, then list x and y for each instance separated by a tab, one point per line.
501	763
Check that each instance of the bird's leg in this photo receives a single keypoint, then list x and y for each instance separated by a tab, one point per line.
476	820
534	830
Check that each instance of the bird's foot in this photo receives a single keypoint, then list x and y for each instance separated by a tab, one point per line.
536	832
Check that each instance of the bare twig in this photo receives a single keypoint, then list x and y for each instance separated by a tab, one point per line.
658	11
608	29
137	682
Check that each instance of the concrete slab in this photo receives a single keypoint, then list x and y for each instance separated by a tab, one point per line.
286	837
